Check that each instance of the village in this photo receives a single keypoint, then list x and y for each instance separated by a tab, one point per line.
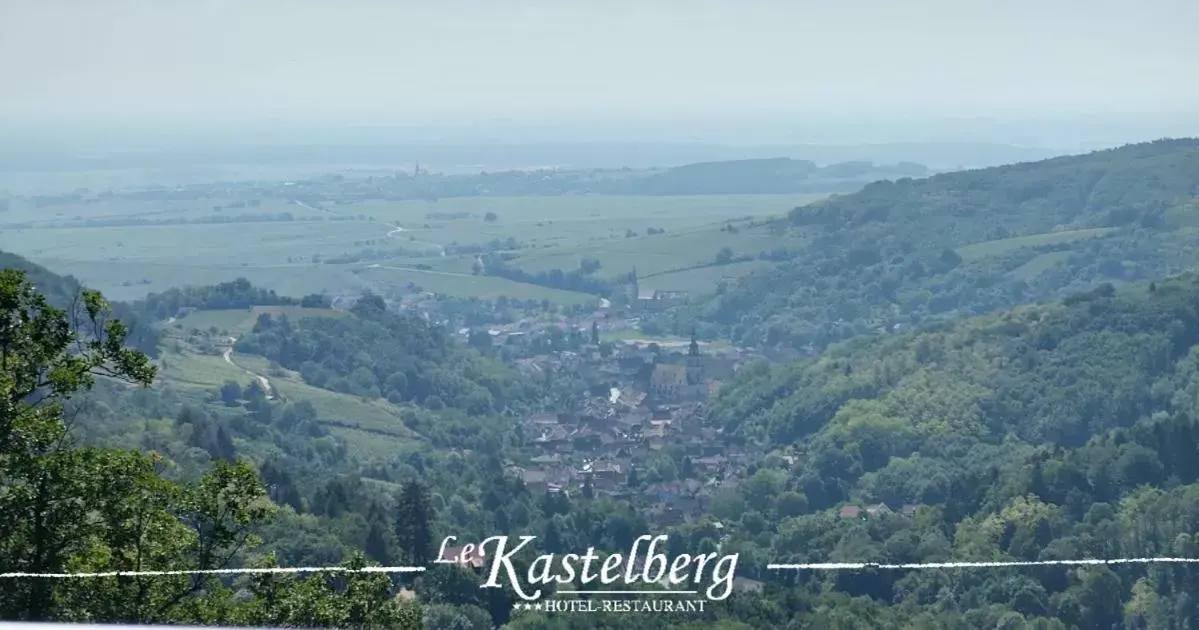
649	439
643	433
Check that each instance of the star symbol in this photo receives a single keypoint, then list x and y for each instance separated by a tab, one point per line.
537	606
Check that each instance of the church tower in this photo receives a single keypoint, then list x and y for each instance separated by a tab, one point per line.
632	290
695	363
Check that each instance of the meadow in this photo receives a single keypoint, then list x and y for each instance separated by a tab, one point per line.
1001	246
370	427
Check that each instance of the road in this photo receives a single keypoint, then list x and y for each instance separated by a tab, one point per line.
262	380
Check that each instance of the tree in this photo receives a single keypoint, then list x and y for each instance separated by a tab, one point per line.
595	338
91	509
379	541
264	322
351	599
480	339
65	508
230	393
315	300
490	217
413	525
724	256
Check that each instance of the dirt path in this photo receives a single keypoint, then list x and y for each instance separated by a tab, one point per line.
393	233
262	380
414	269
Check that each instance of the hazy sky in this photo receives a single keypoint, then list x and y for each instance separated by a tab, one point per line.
453	60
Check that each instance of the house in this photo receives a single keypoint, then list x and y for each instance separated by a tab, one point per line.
535	480
556	440
586	439
634	418
607	471
667	516
631	399
909	509
665	492
709	464
878	510
460	556
656	301
850	512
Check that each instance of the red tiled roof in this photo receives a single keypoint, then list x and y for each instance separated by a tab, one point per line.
456	555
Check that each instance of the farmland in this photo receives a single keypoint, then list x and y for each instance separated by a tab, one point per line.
128	248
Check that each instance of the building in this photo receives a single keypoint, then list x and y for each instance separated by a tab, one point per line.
667	382
878	510
462	557
647	300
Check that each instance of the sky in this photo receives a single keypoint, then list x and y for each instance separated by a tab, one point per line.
465	62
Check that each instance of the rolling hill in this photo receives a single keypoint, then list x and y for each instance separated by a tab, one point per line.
1057	431
901	253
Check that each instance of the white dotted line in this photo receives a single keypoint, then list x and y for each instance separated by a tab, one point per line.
101	574
850	566
817	566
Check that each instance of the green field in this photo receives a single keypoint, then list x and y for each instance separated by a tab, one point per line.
465	285
654	254
702	280
371	428
541	221
129	261
1038	265
997	247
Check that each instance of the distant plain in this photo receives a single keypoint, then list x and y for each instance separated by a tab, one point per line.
129	248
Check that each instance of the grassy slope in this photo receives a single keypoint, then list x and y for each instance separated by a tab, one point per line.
1004	245
371	428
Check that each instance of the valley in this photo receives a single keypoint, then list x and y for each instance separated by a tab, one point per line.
1007	388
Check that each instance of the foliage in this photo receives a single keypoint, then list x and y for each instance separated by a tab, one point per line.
381	354
65	508
1059	431
893	254
238	294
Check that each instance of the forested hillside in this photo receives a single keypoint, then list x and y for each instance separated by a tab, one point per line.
903	252
379	354
1059	431
80	508
64	292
